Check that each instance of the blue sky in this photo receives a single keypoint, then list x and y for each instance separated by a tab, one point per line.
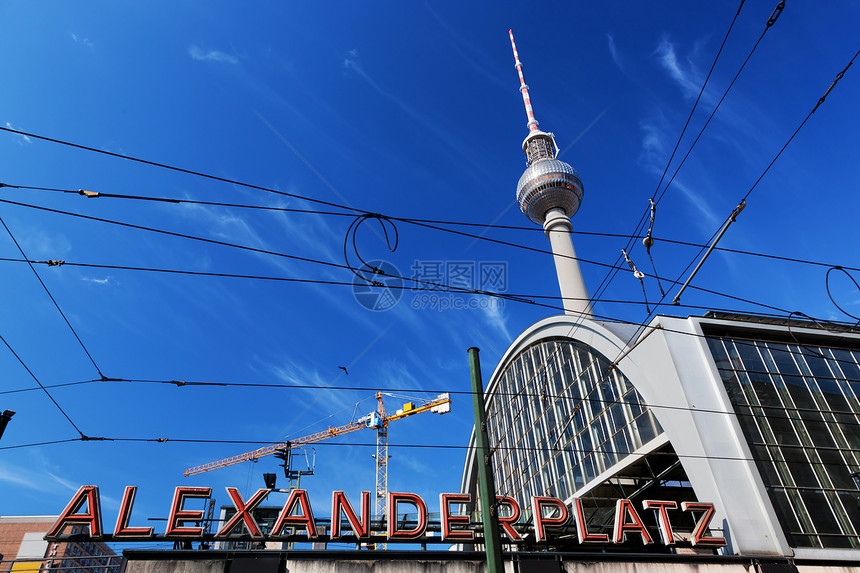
400	108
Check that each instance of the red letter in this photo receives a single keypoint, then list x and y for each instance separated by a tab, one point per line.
702	525
623	509
393	499
540	520
507	522
666	533
178	515
92	518
449	534
243	513
305	518
122	529
582	527
361	528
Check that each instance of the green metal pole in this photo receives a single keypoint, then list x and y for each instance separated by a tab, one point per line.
486	488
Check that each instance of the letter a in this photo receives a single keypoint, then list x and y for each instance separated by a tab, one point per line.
70	515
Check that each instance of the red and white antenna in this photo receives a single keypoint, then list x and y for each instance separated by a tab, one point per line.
524	89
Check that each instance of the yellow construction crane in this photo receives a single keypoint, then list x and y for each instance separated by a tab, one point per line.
377	420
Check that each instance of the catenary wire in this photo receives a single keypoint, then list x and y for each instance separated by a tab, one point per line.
43	388
463	290
437	222
520	393
179	169
830	295
771	21
608	278
743	201
53	300
431	288
742	204
698	98
411	446
801	125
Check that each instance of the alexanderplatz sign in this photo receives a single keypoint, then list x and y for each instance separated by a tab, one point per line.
352	522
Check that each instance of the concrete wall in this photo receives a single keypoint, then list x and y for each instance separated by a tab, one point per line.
457	562
321	564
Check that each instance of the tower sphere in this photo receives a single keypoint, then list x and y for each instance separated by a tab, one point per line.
547	183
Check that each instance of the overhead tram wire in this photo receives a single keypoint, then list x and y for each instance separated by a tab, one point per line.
820	101
723	228
53	300
45	390
96	194
192	172
180	169
719	233
540	371
771	21
699	97
252	249
518	394
372	215
431	287
643	220
197	173
433	224
436	446
244	247
456	290
604	284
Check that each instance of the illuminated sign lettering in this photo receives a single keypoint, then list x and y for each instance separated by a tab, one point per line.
549	517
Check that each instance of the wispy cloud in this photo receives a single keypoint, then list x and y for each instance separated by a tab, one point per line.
653	158
430	124
613	51
68	484
684	73
291	372
469	50
40	479
653	152
495	316
37	243
22	138
83	41
104	281
202	55
697	200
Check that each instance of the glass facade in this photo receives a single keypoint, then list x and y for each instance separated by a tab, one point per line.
558	418
799	408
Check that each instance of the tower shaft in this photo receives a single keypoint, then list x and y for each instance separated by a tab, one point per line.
574	294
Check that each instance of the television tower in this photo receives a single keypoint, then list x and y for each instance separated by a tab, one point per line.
549	193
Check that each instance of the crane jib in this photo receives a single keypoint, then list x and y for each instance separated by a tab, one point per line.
374	420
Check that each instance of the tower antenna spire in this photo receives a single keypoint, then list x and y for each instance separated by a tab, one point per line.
524	89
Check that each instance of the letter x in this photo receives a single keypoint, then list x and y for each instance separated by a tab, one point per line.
243	513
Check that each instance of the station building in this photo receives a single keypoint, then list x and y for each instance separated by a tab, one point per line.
759	416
